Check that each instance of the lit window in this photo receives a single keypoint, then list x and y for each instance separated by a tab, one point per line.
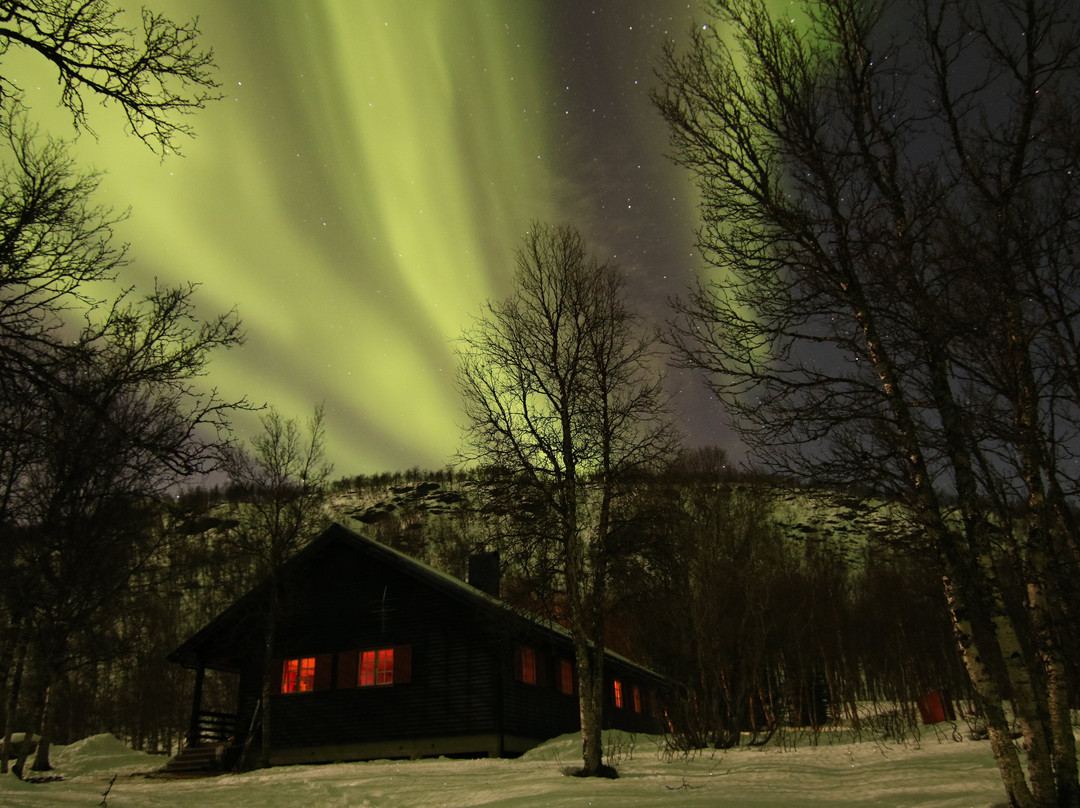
618	693
566	677
637	699
298	675
528	666
367	668
384	667
376	667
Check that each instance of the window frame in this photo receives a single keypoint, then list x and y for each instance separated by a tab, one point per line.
389	666
294	675
565	684
380	672
526	666
297	675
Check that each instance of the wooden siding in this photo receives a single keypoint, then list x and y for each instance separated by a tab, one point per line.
648	718
462	694
352	605
542	710
538	710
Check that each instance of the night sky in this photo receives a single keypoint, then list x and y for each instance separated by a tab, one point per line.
360	190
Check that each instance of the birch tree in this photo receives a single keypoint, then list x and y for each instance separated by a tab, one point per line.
95	418
283	477
156	74
561	394
116	419
890	217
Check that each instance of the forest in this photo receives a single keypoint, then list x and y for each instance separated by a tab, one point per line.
772	606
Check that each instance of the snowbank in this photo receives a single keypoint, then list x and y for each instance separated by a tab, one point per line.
101	755
937	774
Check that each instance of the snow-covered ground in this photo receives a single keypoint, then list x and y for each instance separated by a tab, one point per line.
937	773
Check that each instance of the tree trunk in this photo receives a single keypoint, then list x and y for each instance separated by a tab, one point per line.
24	752
1066	788
14	685
1065	768
265	735
972	638
590	705
273	612
41	759
589	653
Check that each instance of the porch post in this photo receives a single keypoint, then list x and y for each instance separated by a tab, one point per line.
196	707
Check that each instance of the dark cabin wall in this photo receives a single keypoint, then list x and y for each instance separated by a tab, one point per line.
542	710
650	717
347	602
463	679
537	710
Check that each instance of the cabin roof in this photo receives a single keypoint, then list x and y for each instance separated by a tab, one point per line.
240	611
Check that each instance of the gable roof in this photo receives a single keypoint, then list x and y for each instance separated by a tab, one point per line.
242	609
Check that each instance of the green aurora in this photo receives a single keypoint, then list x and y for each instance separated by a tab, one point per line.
360	189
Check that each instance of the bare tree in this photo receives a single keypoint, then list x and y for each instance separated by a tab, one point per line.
154	75
283	479
115	419
888	205
55	245
721	643
561	394
810	624
96	418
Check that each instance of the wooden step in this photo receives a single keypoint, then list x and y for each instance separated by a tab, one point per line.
193	759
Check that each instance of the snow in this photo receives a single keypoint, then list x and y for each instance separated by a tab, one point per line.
936	773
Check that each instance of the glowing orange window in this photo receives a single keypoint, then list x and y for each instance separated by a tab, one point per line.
298	675
376	667
566	676
384	667
618	693
528	666
637	699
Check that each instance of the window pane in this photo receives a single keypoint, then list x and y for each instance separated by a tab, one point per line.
367	668
618	693
528	666
306	680
289	674
637	699
298	675
385	674
566	676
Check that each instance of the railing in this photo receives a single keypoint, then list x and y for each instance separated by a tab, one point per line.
208	727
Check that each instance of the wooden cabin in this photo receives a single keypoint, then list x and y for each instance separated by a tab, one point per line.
378	655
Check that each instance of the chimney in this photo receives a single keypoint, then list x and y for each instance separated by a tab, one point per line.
484	572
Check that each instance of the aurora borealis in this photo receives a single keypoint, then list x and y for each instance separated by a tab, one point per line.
361	187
